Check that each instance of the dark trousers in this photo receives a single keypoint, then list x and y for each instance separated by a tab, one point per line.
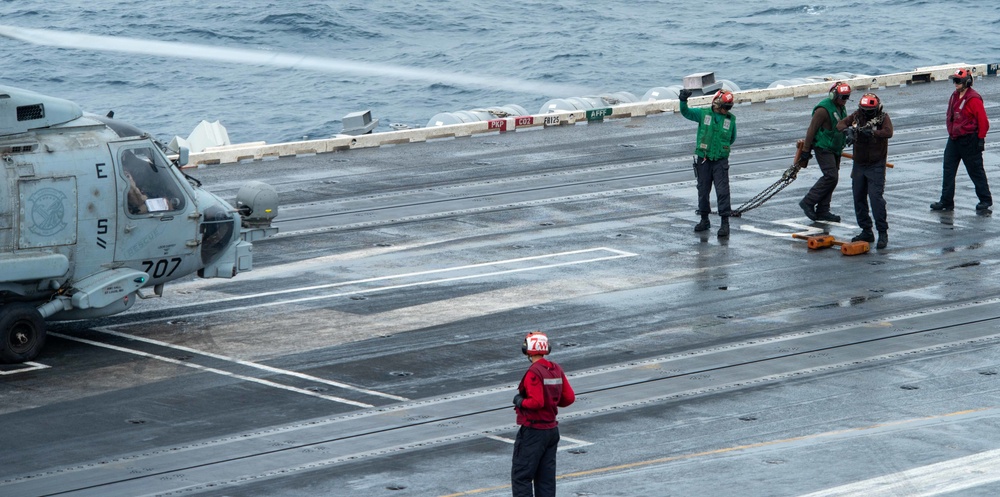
533	472
966	149
868	184
821	193
713	172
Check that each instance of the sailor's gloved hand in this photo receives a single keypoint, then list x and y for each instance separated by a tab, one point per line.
851	135
982	144
804	158
684	94
518	399
867	131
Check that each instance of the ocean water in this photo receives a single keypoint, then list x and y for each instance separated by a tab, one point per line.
597	45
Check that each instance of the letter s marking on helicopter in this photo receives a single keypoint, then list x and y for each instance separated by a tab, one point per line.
48	211
158	269
102	229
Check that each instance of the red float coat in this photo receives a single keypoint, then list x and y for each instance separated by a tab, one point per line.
967	115
545	389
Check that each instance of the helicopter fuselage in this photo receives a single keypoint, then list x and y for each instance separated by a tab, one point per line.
91	212
86	200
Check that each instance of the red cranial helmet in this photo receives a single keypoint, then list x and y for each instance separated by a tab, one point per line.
962	76
724	99
870	105
840	91
535	343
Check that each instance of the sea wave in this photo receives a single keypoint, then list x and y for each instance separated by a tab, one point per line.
602	45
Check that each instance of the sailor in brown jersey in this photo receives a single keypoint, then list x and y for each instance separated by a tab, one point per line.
869	129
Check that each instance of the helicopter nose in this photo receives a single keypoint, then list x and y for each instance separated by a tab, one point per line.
227	232
218	231
223	252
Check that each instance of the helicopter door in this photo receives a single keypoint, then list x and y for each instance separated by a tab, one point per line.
156	232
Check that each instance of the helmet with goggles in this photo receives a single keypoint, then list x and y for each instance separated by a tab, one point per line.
962	76
724	99
840	91
870	105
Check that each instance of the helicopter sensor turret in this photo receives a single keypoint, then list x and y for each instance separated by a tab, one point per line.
257	203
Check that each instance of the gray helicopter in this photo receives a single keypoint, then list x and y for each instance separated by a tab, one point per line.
93	211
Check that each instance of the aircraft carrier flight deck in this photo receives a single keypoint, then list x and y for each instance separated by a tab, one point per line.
375	347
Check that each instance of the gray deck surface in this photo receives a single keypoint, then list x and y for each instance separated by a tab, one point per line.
375	347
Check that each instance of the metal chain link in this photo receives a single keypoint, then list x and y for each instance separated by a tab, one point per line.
758	200
786	179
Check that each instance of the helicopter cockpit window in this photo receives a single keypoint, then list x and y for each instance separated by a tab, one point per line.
151	186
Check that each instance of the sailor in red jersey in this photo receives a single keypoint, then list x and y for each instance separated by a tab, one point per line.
967	128
541	392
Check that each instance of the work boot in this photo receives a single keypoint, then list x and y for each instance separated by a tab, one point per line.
983	206
704	224
826	216
866	236
941	206
724	229
883	240
809	210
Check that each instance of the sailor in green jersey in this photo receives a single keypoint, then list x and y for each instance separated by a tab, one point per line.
716	133
828	143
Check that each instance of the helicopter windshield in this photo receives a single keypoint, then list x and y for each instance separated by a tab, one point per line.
151	186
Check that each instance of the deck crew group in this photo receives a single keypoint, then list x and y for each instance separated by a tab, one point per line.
831	129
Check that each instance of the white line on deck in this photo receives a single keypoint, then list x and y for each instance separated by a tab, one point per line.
574	442
943	478
618	254
34	367
107	330
251	364
794	224
211	370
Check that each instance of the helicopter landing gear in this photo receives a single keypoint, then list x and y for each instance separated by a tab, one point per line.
22	332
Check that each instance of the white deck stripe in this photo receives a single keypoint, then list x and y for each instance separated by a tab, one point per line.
935	479
34	367
108	330
212	370
619	254
405	275
251	364
574	442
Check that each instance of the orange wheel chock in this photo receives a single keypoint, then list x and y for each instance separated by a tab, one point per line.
816	242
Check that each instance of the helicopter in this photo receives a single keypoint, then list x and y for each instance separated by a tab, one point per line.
93	211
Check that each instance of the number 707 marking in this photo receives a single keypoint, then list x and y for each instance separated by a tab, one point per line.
158	268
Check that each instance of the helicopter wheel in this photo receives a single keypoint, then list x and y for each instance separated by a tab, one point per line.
22	333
